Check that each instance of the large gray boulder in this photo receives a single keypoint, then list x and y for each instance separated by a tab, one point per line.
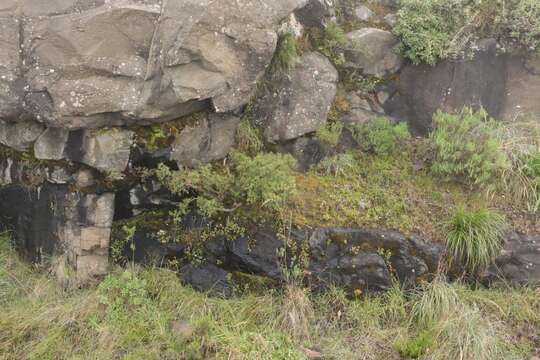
373	51
90	64
210	139
298	103
450	85
522	88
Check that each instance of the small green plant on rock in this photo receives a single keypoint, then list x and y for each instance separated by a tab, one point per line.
475	238
381	136
286	54
466	147
330	133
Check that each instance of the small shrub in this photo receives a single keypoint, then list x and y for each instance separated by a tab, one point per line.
286	54
331	41
415	347
426	28
524	23
381	136
330	133
466	147
431	30
474	238
266	179
338	164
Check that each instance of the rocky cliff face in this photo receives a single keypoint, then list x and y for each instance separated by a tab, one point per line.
81	82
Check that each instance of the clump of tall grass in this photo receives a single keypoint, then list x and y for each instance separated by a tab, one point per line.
475	237
435	301
286	55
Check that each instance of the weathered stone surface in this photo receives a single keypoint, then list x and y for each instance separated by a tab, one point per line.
52	220
107	150
373	51
449	86
359	112
307	152
315	12
210	139
360	259
298	103
363	13
207	277
20	135
11	84
51	144
522	100
519	262
97	63
257	254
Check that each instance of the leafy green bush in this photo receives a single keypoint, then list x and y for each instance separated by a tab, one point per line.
475	238
381	136
431	30
286	54
266	179
426	28
525	23
466	147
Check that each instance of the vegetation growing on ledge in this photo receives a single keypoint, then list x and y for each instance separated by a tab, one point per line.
433	30
148	313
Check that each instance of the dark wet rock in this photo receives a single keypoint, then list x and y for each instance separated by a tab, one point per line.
450	85
210	139
360	259
373	52
52	220
519	262
298	103
316	12
148	249
522	88
208	278
307	151
258	254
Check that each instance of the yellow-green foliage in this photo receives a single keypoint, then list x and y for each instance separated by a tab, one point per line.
331	41
466	147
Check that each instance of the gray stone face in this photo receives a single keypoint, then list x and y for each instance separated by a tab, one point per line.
208	140
373	52
51	144
363	13
522	89
360	111
20	135
106	150
298	103
315	12
96	63
449	86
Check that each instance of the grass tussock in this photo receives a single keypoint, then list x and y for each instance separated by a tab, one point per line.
147	313
475	238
